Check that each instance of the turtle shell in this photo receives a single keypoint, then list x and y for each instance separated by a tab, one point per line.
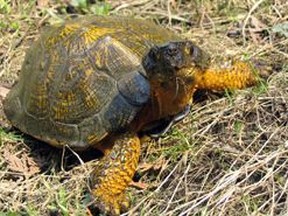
84	79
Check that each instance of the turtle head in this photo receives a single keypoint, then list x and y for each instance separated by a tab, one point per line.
172	70
175	59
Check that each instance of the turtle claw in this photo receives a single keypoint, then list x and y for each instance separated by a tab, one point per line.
125	204
112	204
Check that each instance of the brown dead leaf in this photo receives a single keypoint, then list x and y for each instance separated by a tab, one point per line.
23	164
173	3
257	24
42	3
157	165
256	30
3	91
139	185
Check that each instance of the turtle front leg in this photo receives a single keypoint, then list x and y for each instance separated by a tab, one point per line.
114	173
237	76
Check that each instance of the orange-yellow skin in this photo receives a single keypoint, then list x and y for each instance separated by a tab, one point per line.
112	185
174	99
240	75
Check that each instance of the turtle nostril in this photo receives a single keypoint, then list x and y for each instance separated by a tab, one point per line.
171	51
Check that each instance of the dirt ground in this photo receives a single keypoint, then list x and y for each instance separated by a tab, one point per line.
228	157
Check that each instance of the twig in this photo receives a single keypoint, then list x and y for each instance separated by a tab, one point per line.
255	6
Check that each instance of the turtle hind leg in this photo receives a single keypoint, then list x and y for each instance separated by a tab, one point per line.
114	173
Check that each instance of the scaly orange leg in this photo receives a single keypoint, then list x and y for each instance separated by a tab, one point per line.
238	76
114	173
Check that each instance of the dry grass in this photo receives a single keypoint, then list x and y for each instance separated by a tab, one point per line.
229	157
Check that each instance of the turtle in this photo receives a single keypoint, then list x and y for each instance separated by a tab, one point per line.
98	81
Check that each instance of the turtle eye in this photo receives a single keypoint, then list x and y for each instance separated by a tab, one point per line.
194	51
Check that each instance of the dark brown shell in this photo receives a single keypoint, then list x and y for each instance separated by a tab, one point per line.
84	79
